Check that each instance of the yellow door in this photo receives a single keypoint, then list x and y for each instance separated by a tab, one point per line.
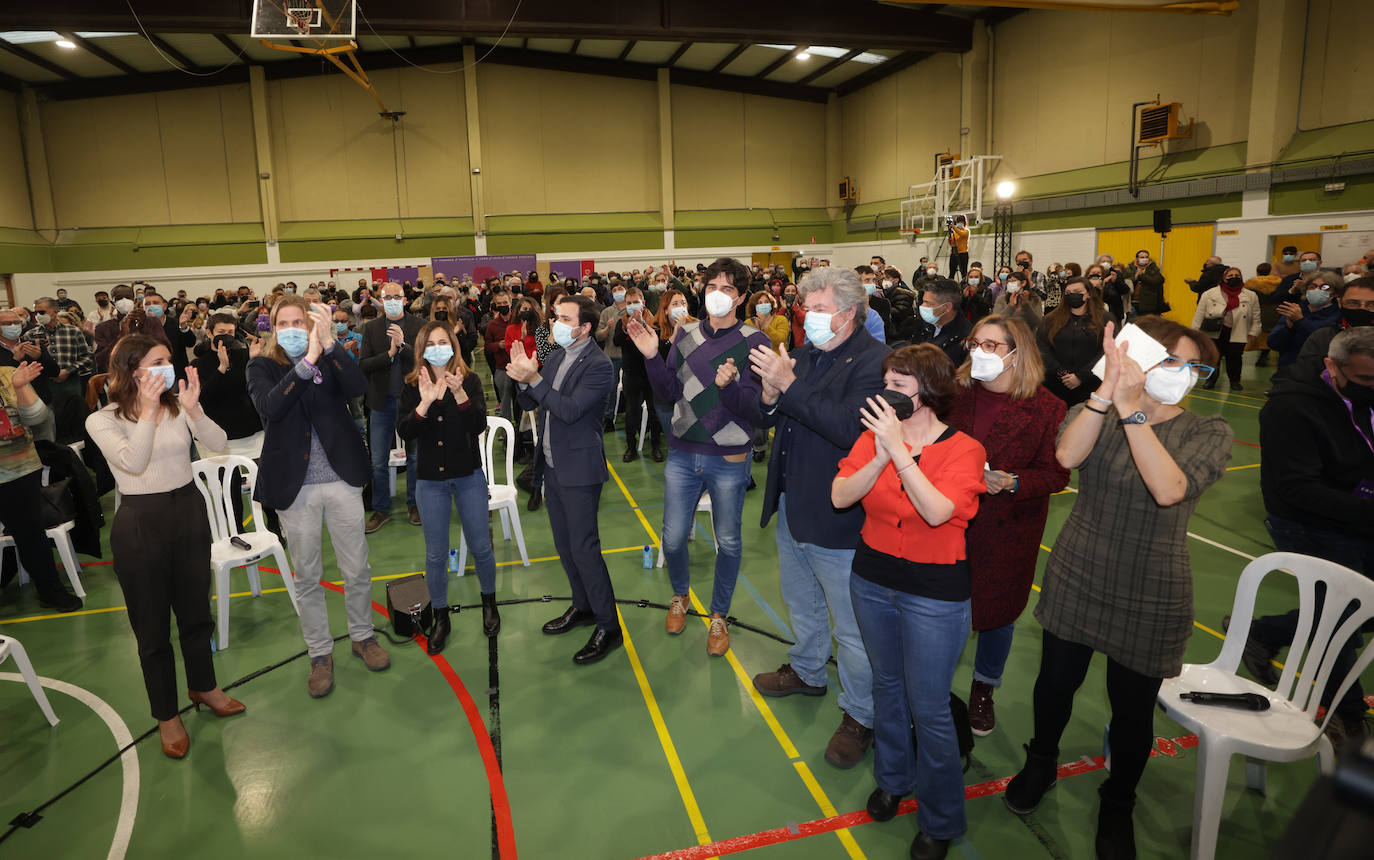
1180	255
1301	241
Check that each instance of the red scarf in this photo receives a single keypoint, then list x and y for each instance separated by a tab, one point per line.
1232	296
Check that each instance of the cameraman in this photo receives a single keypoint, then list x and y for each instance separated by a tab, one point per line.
958	247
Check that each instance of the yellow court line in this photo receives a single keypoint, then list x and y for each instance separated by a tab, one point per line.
1224	402
665	740
80	612
1246	466
789	749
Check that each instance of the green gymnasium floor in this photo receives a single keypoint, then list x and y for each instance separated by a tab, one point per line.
657	750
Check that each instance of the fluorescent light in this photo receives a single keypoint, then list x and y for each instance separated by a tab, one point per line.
65	43
803	56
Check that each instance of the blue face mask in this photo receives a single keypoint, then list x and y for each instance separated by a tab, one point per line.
154	311
393	307
1002	276
562	333
11	332
634	307
167	372
870	288
618	295
763	308
1308	265
1288	258
340	328
817	326
1318	298
929	315
438	354
293	340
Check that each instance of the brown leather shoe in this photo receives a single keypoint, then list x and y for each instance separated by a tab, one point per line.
981	718
784	682
414	515
718	637
376	521
321	681
178	747
372	654
230	708
849	744
677	614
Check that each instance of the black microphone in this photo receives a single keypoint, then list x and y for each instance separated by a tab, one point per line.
1244	701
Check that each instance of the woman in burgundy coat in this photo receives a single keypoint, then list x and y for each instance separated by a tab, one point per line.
1002	404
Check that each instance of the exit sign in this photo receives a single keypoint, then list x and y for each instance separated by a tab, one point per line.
1326	227
1228	232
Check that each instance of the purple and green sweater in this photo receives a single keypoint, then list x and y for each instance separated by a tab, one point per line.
706	419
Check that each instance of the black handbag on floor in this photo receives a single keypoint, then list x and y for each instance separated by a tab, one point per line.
407	602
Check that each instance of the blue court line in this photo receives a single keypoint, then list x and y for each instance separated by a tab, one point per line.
742	579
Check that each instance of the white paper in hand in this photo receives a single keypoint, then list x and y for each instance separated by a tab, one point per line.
1146	351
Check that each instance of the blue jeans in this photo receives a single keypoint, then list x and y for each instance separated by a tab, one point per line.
382	432
685	477
990	658
913	645
815	587
469	493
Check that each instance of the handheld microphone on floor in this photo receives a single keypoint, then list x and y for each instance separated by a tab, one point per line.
1244	701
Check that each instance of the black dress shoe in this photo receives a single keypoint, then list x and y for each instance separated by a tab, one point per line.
925	848
568	620
602	643
443	625
882	806
656	452
491	617
61	600
536	499
1236	386
631	454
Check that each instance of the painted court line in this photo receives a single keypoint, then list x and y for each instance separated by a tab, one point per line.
833	823
789	749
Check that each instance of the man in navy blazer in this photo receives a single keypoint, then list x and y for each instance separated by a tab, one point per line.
812	399
570	395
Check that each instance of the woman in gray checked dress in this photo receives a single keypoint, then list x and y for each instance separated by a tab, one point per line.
1119	580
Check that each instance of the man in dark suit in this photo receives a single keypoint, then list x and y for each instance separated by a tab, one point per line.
940	321
812	398
386	356
175	327
570	394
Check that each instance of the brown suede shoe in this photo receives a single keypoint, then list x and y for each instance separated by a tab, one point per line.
414	513
849	744
677	614
372	654
784	682
321	681
718	637
981	718
376	521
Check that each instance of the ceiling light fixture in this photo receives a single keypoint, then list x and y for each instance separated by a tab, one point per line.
65	43
803	56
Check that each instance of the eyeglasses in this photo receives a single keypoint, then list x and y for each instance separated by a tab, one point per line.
1094	277
985	345
1173	364
1356	304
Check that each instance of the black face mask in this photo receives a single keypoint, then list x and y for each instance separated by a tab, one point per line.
228	341
1234	282
104	303
1355	317
904	406
1358	395
1074	300
441	316
529	316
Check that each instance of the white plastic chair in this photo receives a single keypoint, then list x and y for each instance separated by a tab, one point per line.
703	504
395	460
214	478
61	537
1288	731
10	647
501	495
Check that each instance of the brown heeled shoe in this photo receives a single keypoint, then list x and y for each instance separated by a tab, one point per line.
176	749
229	710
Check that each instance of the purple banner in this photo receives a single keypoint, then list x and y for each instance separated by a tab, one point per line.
401	275
481	268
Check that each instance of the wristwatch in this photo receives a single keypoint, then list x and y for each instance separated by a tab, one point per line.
1136	417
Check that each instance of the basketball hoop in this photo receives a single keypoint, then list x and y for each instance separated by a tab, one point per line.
302	20
914	231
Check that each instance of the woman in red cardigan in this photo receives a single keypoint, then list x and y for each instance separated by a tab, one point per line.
1002	403
919	480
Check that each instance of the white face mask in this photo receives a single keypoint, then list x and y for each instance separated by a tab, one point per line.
718	304
1169	386
987	366
930	273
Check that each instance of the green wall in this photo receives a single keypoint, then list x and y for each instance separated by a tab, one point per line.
1310	197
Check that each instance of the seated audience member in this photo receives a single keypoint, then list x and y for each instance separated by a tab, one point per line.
940	321
1231	314
1317	478
1119	580
918	480
1315	309
1070	341
161	532
1001	403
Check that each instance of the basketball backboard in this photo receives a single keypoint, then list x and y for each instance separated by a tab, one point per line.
304	19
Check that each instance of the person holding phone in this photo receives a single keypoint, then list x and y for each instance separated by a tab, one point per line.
161	532
442	412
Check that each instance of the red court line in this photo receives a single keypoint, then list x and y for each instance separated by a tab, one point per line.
1251	444
748	842
500	804
95	563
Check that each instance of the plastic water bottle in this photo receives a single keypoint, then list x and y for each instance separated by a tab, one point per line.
648	558
453	562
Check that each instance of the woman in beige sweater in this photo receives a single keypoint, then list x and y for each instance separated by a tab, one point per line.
161	534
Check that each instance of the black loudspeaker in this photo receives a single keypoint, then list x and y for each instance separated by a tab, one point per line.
1164	220
407	602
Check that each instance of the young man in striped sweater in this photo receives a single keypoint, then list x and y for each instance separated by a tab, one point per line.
715	396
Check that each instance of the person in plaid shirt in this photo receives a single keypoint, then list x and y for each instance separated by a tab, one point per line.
68	346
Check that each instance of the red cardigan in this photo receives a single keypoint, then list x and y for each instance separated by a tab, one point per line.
891	524
513	334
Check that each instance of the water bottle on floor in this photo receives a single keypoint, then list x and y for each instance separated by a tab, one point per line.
453	562
648	558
